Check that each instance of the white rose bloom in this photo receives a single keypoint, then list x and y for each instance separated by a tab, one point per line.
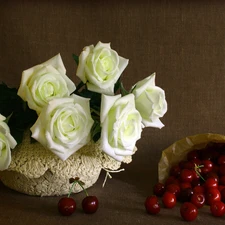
121	125
100	67
150	102
43	82
7	142
64	125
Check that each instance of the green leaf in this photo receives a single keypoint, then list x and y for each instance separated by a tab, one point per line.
117	86
8	118
96	131
95	98
19	116
76	59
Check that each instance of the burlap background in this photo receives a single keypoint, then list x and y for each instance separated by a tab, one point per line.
182	41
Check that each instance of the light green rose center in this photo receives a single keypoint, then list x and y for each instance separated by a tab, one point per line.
129	126
106	63
46	87
68	123
103	64
47	90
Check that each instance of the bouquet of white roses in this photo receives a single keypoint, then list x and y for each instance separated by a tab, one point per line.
63	117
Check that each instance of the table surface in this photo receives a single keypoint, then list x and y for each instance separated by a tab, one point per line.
121	201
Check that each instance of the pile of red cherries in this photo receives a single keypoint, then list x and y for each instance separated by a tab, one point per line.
197	181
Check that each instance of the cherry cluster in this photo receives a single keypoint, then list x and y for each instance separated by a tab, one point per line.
67	205
197	181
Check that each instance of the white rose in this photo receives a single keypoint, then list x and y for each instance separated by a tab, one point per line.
121	125
150	102
7	142
43	82
64	125
100	67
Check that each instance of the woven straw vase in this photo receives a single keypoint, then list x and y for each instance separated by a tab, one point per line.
35	170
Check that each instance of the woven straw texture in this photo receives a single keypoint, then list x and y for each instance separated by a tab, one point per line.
35	170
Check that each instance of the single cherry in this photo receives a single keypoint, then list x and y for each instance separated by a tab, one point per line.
159	189
173	188
194	154
222	192
66	206
90	204
188	211
169	200
217	209
212	195
221	159
198	199
199	189
185	195
184	185
207	166
222	180
222	169
175	171
152	205
186	175
211	182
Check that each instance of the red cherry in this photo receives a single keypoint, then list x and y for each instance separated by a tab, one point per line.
222	192
209	155
66	206
222	169
221	159
188	165
195	175
184	185
194	154
171	180
159	189
169	199
196	162
199	189
186	175
207	166
195	183
213	175
185	195
215	169
152	205
221	187
173	188
211	183
212	195
188	211
182	164
222	180
175	171
217	209
198	199
90	204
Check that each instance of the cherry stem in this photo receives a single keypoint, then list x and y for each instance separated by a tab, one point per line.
196	170
78	182
82	187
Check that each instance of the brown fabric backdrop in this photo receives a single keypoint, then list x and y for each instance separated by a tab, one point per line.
182	41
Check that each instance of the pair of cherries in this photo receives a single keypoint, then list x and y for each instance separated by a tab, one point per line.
67	205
